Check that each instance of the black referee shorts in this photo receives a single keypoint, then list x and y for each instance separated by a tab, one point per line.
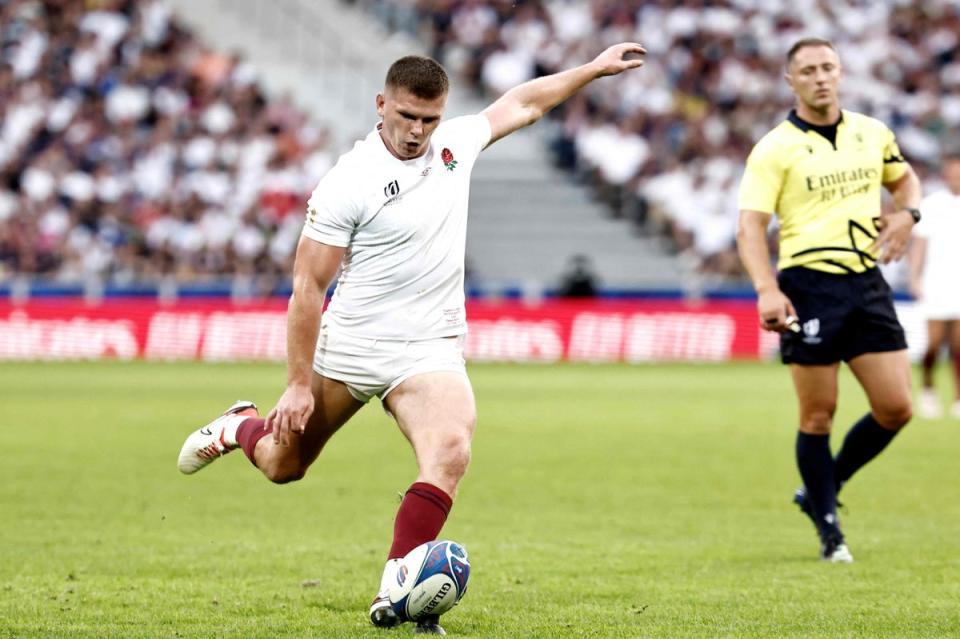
842	316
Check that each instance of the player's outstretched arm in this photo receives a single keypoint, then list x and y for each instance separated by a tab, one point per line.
775	309
895	227
314	268
526	103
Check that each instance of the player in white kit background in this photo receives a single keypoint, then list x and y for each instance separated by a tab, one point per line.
391	216
934	272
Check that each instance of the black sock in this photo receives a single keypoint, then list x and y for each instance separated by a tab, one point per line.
864	442
816	468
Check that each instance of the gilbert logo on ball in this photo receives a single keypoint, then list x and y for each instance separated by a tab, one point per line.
431	580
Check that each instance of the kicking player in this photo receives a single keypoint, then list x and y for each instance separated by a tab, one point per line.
934	265
820	171
392	217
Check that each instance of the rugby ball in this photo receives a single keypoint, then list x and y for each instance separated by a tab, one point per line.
430	580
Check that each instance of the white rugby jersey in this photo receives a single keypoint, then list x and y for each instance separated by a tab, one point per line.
404	224
940	226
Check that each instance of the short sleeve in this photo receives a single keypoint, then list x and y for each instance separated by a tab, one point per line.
469	132
332	214
481	131
894	166
762	181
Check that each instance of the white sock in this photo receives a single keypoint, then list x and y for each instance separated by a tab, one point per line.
230	426
389	574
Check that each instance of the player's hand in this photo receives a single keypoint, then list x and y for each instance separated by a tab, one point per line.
291	413
894	235
612	62
776	312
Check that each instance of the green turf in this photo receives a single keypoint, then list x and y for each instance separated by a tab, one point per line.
603	501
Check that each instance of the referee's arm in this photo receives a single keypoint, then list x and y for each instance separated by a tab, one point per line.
895	227
773	306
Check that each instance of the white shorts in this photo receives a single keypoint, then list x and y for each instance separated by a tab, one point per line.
371	367
941	305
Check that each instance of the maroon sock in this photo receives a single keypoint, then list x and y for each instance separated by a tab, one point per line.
420	518
956	363
250	431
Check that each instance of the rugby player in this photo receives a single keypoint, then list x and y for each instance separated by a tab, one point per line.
391	216
934	267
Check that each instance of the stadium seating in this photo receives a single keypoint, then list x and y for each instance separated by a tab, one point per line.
130	152
665	147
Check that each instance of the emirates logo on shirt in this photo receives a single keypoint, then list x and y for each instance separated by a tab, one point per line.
447	156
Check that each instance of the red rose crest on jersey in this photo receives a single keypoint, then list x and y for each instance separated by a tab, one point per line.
447	156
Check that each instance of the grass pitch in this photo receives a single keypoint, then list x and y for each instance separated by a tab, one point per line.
603	501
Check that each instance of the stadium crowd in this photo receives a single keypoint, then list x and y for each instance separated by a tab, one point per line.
128	151
666	147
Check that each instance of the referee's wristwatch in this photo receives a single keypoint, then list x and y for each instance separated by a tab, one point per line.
914	213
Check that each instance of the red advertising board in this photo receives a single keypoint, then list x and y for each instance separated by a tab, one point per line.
600	331
216	330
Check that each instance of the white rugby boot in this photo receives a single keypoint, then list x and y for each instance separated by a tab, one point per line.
382	614
215	439
429	625
836	552
955	410
929	404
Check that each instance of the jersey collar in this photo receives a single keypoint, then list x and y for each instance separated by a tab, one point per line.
805	126
829	132
382	153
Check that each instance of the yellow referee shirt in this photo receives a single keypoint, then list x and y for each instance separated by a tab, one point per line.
825	194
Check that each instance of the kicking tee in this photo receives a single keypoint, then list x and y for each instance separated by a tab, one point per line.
404	225
826	193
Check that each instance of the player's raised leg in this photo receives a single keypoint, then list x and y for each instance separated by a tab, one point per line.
280	462
816	387
283	462
204	445
929	402
886	379
437	414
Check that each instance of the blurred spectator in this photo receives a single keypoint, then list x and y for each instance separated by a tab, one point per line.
579	279
664	147
129	151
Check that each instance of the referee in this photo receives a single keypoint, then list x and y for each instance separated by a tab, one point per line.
820	171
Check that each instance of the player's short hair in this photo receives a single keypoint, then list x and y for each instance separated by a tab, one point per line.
421	76
807	42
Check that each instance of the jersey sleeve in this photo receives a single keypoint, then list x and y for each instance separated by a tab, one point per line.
471	132
762	181
332	214
894	166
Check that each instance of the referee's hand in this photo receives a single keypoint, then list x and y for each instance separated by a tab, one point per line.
776	312
894	235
